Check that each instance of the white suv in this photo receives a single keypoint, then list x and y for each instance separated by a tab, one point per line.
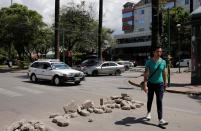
54	70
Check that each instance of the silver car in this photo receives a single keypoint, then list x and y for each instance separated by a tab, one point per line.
108	68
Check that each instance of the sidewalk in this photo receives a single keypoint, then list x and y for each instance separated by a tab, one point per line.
5	69
180	83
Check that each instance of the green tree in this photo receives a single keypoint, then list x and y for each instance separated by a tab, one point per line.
178	15
21	28
80	28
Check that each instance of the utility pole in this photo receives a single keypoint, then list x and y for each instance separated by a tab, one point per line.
56	46
169	42
100	30
155	24
191	6
11	2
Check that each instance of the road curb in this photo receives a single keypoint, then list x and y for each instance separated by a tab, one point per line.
134	84
169	90
183	92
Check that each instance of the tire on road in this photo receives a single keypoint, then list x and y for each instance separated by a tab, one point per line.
117	72
77	82
33	78
95	73
56	80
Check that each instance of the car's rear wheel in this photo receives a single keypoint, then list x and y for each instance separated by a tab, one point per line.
57	80
126	68
33	78
117	72
95	73
77	82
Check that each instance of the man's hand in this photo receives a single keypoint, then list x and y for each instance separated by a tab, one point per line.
165	86
145	88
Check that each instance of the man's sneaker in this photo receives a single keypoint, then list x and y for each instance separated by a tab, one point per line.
148	116
162	122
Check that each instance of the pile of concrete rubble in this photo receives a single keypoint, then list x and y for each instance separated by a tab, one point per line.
24	125
72	110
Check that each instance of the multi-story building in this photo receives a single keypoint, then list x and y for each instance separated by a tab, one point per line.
135	43
127	18
186	4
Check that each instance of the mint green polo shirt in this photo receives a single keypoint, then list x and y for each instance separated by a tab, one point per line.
152	66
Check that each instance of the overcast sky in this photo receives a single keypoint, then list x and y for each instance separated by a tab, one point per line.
111	11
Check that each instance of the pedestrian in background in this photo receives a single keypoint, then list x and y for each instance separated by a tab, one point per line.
155	82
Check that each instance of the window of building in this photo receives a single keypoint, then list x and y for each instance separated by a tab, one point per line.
186	2
141	21
129	14
142	11
130	22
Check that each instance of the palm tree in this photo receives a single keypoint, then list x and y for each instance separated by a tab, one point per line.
155	23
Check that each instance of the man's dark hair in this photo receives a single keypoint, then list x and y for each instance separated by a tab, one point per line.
155	48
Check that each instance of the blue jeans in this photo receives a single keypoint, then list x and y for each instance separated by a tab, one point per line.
158	89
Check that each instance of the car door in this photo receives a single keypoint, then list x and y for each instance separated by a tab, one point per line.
39	70
47	71
113	67
104	68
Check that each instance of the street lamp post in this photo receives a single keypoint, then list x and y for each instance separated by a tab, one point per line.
169	40
63	46
57	44
179	44
100	30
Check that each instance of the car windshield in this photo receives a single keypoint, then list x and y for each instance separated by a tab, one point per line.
60	66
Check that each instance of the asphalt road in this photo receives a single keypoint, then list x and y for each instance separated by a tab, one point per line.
21	99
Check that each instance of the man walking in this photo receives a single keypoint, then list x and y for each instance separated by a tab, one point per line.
155	82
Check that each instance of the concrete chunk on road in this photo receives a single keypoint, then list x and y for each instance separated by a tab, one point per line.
124	95
54	115
88	104
84	112
25	125
98	111
115	97
61	121
126	107
70	108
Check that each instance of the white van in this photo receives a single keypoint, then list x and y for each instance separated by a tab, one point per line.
184	63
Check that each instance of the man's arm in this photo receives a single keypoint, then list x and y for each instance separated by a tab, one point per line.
165	77
146	73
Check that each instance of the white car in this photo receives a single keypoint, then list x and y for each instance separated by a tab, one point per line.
54	70
184	63
108	67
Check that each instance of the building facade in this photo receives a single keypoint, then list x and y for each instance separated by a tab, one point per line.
127	18
186	4
135	43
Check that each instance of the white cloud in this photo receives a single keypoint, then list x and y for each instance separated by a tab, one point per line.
111	10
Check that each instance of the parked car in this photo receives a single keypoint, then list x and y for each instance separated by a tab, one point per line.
127	64
54	70
87	63
184	63
108	67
